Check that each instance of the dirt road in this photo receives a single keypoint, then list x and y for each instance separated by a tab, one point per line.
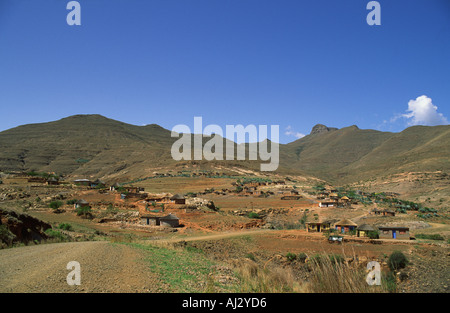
217	236
105	267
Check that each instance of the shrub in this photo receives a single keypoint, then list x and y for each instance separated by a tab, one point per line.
71	202
303	219
373	234
302	257
65	226
55	234
84	211
55	205
397	260
253	215
6	235
291	256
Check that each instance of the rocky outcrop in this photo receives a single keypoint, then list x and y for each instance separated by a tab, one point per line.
201	203
23	227
320	129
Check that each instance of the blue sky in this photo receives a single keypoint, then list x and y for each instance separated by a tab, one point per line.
289	63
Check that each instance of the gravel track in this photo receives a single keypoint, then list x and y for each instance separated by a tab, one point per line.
105	267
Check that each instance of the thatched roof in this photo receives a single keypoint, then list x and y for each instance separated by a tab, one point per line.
366	227
169	217
386	227
346	222
319	222
177	197
82	201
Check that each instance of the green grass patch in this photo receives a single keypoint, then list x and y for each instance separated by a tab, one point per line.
430	236
181	270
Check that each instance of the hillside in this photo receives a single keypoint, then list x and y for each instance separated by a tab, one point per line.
326	153
350	153
96	146
82	144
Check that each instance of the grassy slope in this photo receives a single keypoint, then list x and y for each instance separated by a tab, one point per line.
325	154
417	148
82	145
92	145
352	154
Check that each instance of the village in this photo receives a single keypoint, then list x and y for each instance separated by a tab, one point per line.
284	216
259	202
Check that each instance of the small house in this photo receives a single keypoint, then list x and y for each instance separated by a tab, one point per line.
334	196
393	232
364	229
82	182
388	213
327	203
131	189
150	220
81	204
52	181
318	226
384	212
345	226
178	199
170	221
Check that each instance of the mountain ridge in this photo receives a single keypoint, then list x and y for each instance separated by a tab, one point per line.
99	146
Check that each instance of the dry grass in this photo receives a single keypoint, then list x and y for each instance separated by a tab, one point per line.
331	276
326	275
254	278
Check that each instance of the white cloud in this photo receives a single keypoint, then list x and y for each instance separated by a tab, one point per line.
422	112
290	132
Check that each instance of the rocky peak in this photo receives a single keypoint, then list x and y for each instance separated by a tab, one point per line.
320	128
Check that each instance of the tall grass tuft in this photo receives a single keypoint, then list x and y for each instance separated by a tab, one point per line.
254	278
330	276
